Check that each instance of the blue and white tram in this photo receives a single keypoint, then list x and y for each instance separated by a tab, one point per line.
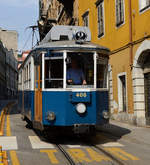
53	94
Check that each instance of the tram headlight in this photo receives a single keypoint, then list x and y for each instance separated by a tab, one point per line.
105	114
51	116
81	108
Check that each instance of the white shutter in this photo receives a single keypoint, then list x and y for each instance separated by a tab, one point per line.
142	3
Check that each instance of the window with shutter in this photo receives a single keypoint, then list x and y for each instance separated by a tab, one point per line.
85	18
144	4
100	9
85	21
119	12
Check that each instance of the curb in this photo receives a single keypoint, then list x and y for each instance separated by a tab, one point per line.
3	157
3	154
2	117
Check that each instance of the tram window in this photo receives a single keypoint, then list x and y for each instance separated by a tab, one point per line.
80	70
102	72
54	73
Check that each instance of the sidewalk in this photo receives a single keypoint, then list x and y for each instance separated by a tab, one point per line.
124	131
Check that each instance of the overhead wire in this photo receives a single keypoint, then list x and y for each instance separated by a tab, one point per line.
37	40
27	40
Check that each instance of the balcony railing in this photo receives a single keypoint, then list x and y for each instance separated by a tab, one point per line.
43	13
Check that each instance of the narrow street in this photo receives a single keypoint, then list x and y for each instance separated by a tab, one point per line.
25	146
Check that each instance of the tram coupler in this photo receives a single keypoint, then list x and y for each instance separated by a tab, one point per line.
81	128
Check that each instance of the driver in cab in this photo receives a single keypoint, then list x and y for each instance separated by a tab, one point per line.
75	75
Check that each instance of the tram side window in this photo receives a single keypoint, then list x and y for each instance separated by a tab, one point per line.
54	73
102	72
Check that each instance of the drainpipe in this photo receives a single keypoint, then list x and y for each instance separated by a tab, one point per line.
130	33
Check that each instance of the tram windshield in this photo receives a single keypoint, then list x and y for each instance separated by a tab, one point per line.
77	70
80	70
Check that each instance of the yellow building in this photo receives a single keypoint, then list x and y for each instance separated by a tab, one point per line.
124	27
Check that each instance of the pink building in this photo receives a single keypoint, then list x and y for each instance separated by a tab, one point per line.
22	57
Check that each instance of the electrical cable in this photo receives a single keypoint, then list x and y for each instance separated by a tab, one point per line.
27	40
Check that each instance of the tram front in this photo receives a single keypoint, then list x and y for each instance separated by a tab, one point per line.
74	91
86	79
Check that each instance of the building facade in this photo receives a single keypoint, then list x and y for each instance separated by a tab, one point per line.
10	40
3	88
8	65
123	26
56	12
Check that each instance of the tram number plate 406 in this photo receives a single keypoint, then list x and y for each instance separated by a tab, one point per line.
81	94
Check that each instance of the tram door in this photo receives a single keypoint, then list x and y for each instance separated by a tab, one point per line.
38	92
147	96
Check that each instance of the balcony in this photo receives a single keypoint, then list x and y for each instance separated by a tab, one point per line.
43	13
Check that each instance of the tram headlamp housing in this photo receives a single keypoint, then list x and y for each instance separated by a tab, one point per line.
81	108
51	116
105	114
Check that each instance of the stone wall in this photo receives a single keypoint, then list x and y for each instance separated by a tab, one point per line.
10	40
57	12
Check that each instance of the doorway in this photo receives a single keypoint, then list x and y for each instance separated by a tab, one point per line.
122	93
38	91
147	97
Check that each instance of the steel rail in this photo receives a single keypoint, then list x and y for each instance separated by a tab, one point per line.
101	149
66	155
119	162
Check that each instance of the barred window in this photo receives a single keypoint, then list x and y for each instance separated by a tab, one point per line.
85	17
119	12
144	4
100	8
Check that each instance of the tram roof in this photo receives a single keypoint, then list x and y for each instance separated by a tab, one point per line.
72	45
68	45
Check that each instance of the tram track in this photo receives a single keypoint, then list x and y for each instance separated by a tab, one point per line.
112	157
59	147
115	160
66	155
105	152
98	148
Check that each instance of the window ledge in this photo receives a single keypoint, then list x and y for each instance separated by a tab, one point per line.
119	24
100	35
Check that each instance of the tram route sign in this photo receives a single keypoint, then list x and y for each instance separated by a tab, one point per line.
80	37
